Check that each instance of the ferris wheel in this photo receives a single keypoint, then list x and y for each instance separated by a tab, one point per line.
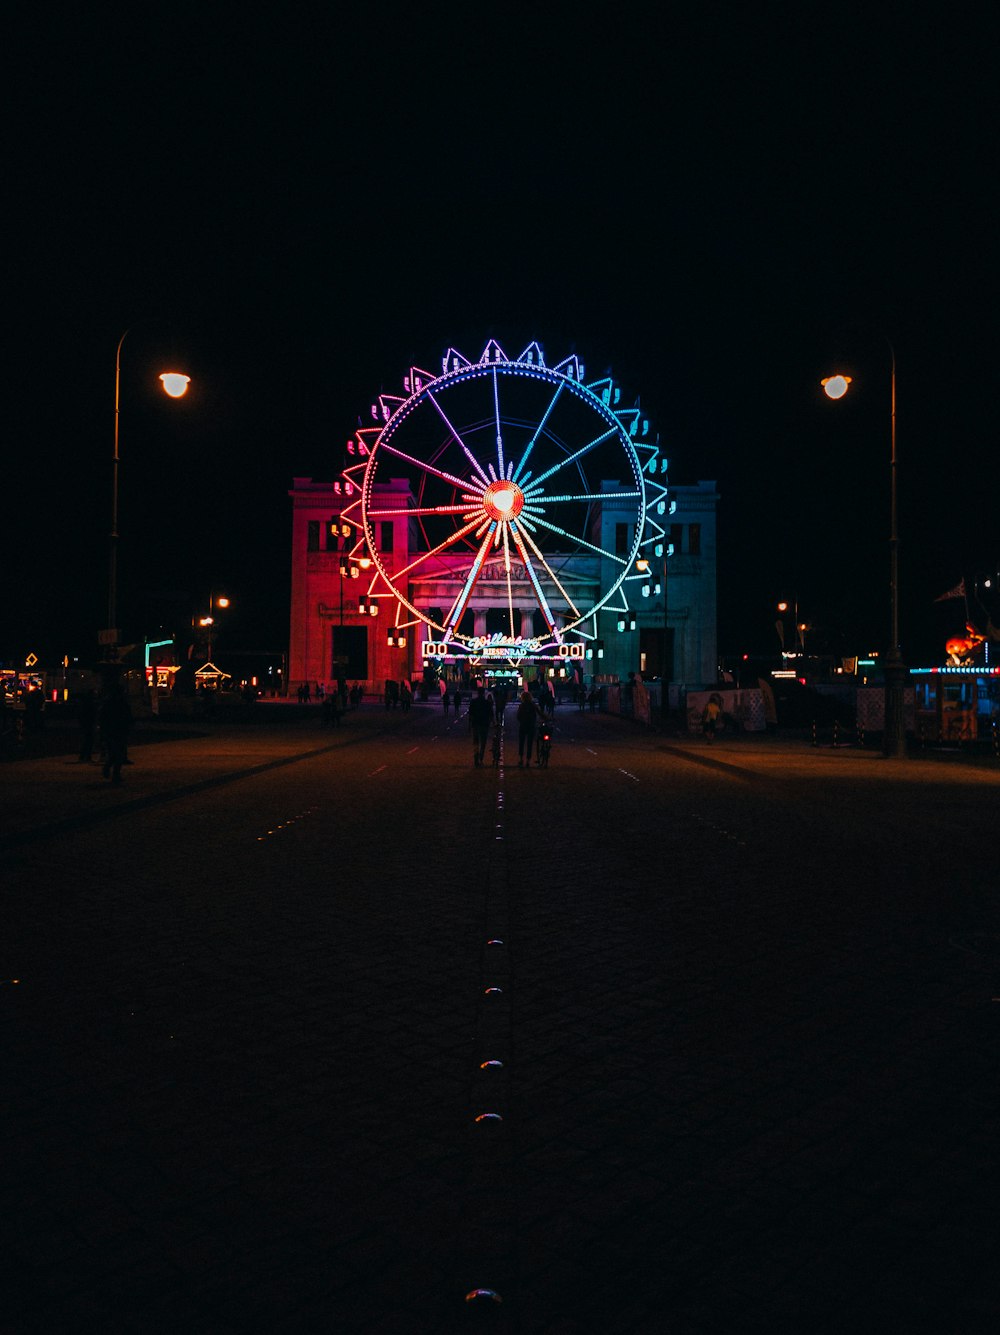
510	467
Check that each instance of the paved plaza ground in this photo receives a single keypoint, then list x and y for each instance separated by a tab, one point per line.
312	1029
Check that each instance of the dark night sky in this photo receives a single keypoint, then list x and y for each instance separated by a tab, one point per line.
298	206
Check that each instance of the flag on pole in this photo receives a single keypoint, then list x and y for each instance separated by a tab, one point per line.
957	592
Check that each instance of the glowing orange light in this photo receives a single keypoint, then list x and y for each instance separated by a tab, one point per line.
222	602
503	500
174	383
835	386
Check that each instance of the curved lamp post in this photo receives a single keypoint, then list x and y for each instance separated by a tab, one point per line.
896	671
175	384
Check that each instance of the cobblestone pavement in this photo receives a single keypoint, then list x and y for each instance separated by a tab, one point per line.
312	1030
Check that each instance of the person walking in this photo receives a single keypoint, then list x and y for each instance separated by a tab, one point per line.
480	718
710	717
115	718
527	726
445	699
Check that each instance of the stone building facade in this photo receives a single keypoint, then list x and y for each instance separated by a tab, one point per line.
331	638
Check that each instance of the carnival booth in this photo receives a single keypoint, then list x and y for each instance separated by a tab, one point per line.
957	703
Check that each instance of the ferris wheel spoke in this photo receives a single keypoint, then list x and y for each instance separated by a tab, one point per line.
425	467
460	442
448	542
584	496
459	605
496	410
572	458
554	528
538	431
549	571
506	566
539	595
464	509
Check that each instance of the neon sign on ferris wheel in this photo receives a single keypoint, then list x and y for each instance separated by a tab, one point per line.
511	465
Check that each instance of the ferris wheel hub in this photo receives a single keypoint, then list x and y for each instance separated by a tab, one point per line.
503	500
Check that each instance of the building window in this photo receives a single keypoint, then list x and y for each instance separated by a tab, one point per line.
312	536
694	539
385	541
621	539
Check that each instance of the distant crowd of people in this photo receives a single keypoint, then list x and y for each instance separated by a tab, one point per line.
105	716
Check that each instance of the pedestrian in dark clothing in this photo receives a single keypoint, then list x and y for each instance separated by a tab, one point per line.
458	702
480	718
527	726
445	699
405	695
115	718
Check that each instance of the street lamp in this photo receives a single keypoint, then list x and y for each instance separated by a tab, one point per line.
175	385
799	627
896	671
209	621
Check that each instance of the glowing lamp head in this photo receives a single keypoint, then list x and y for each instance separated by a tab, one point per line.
174	383
835	386
222	602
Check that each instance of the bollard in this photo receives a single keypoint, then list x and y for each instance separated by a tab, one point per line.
861	737
836	732
814	741
996	740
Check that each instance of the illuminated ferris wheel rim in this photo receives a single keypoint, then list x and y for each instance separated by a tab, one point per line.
504	501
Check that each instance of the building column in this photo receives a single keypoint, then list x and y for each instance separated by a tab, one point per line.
479	621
